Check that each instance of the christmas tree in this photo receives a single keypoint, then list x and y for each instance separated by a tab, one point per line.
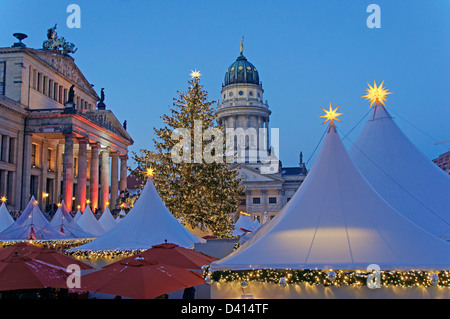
194	179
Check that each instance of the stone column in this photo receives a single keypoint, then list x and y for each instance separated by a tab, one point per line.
114	179
267	134
247	201
82	173
105	177
3	183
94	176
26	175
5	148
58	172
264	200
123	173
44	170
68	170
18	174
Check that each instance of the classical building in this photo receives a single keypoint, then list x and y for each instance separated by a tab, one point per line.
443	161
246	116
57	143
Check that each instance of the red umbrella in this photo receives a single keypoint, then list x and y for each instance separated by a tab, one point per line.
22	272
174	255
140	279
50	256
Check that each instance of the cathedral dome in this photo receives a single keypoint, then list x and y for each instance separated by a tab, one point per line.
241	72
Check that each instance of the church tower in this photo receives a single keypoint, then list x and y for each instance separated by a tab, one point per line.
244	112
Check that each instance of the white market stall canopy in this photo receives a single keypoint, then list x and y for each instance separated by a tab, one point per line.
337	221
402	174
148	223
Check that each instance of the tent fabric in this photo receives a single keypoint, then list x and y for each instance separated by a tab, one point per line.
5	217
337	221
148	223
121	216
63	222
31	223
77	215
89	223
243	225
402	174
107	220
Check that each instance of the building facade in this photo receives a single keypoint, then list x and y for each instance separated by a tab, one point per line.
443	161
56	142
246	116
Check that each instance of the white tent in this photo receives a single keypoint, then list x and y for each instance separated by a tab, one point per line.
402	174
31	225
121	216
5	217
89	223
243	225
63	222
148	223
337	221
77	215
107	220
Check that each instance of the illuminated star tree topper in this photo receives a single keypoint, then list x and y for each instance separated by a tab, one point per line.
195	74
331	115
376	95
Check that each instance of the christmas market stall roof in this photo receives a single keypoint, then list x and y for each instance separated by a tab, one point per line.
32	225
244	224
337	221
148	223
5	217
402	174
107	220
89	223
63	222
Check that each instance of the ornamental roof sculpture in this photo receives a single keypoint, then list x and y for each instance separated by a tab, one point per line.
54	42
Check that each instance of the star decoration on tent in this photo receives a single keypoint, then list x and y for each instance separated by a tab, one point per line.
195	74
150	172
3	199
331	115
376	94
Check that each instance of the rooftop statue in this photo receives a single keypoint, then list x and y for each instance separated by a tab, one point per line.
54	42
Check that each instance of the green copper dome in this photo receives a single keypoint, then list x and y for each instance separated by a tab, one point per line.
241	72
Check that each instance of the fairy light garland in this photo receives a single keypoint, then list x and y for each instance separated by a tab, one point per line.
103	254
337	278
61	244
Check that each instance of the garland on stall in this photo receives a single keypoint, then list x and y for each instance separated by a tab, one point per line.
104	254
283	277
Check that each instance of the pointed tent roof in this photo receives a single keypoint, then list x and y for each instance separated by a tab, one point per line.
62	221
121	216
243	225
148	223
5	217
107	220
31	223
402	174
77	216
89	223
336	220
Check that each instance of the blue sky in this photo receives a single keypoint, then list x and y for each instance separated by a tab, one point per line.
308	53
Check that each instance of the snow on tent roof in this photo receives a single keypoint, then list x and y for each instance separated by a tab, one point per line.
89	223
63	222
402	174
5	217
107	220
337	221
148	223
31	224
